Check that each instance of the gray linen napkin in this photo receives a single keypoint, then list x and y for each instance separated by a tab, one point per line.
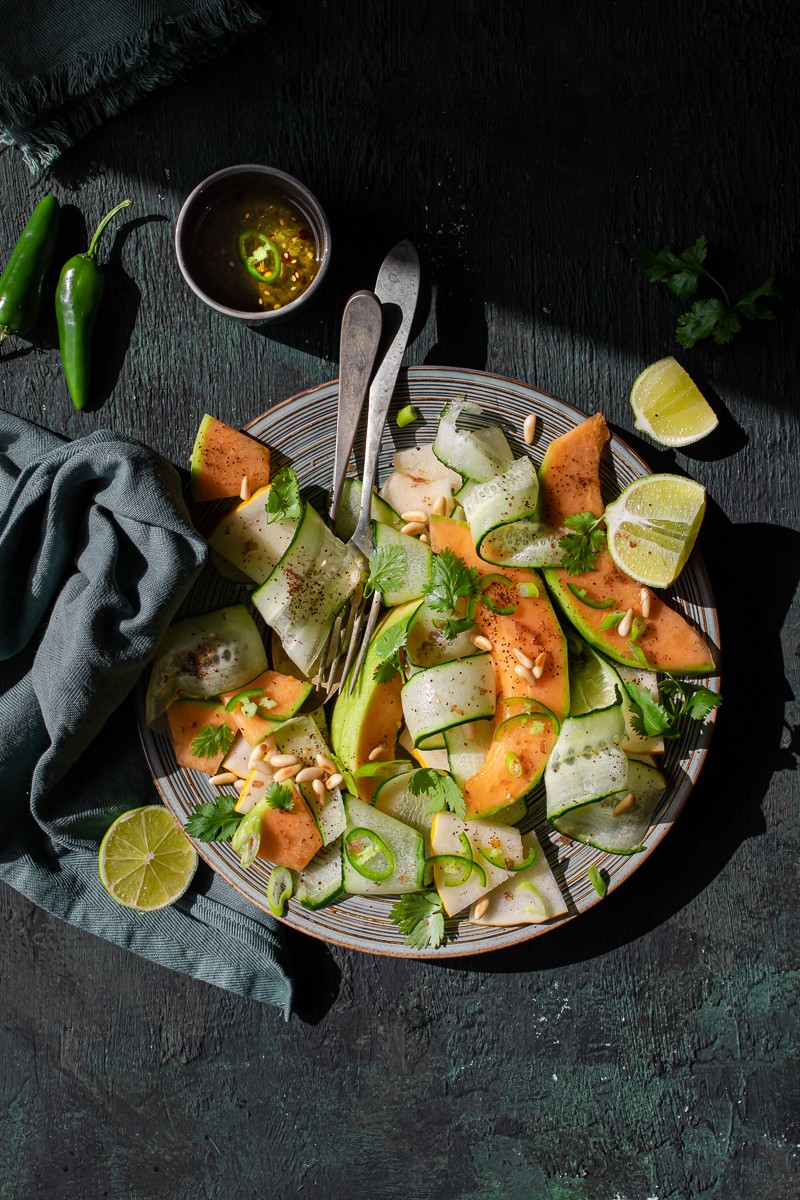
96	553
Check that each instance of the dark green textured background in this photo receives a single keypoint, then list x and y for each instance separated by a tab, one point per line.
650	1048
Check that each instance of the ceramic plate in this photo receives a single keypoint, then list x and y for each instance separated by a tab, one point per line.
302	431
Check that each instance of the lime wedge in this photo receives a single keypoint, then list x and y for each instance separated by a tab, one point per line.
652	527
669	406
146	860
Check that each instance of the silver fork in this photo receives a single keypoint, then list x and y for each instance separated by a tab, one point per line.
397	289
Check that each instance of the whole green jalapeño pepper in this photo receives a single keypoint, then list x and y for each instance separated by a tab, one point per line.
22	282
78	296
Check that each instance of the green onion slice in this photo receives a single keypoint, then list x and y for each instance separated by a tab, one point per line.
368	854
279	890
611	621
407	415
580	594
597	881
637	628
247	838
528	590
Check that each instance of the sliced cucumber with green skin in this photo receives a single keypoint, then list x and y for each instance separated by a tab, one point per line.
205	655
405	846
302	596
450	694
595	824
245	539
322	881
476	454
586	762
426	645
301	736
418	564
394	798
466	750
528	898
350	504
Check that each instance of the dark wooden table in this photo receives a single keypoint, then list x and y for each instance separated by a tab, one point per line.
648	1049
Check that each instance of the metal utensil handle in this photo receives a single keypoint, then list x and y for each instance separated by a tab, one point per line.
362	322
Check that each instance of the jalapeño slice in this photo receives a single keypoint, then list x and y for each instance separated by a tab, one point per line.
368	854
260	256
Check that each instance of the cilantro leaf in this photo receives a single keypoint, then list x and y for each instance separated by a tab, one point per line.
387	569
684	699
451	580
649	718
442	790
582	547
387	648
420	917
283	501
279	795
211	740
707	318
215	820
748	304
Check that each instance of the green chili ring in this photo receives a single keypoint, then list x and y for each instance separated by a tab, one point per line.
251	260
534	708
505	610
374	845
496	859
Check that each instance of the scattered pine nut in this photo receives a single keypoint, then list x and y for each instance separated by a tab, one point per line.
283	760
256	755
223	777
239	784
521	658
624	627
334	781
269	746
481	906
625	805
440	507
244	490
529	428
414	527
287	773
308	774
481	643
539	665
319	788
423	537
414	515
326	764
645	598
376	752
525	674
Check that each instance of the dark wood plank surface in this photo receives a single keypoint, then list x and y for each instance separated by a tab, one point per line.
649	1049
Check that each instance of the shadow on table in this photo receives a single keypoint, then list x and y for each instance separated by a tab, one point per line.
751	743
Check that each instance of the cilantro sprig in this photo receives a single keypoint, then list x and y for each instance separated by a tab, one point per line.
211	740
278	795
215	820
582	546
421	918
441	789
283	501
710	317
387	649
386	570
677	700
452	590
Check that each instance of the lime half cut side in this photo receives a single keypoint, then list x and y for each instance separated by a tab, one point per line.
668	405
146	861
653	525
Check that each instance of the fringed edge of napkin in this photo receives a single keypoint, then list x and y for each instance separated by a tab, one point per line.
52	111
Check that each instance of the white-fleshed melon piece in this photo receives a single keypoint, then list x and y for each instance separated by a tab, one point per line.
421	463
501	841
406	494
237	758
528	897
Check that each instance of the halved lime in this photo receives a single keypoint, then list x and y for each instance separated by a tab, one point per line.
652	527
669	406
146	860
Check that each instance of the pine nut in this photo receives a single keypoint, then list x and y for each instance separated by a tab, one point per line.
239	784
645	598
521	658
440	507
414	527
529	428
624	627
269	746
244	490
256	756
286	773
334	781
223	777
283	760
308	774
326	764
481	643
539	665
525	674
423	537
481	906
377	752
319	788
625	805
415	515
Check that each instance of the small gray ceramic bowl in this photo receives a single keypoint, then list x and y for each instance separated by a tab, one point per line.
240	178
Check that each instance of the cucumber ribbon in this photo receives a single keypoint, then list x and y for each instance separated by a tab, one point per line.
448	694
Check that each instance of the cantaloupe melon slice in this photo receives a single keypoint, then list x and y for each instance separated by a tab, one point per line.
221	457
186	718
283	695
